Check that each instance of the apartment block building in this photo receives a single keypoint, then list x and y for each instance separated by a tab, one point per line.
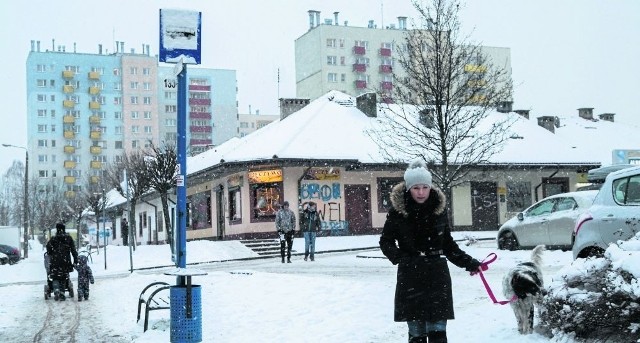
85	110
250	122
358	60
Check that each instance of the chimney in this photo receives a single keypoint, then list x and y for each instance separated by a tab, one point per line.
607	116
122	47
133	51
524	113
38	46
402	23
74	47
53	45
367	103
317	18
505	106
117	46
311	19
100	49
289	106
147	46
33	45
335	14
548	122
586	113
370	24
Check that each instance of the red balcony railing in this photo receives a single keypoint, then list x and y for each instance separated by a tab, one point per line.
199	88
199	128
386	85
193	101
360	67
199	115
359	50
385	52
361	84
385	68
200	141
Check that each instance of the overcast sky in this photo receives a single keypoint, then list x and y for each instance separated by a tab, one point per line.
565	54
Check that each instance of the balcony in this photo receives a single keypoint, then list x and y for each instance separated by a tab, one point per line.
199	88
96	164
68	74
69	164
68	103
69	149
95	134
68	89
359	50
200	129
69	179
386	85
69	135
94	75
94	119
360	67
199	115
361	84
69	194
386	52
475	68
94	105
68	119
94	90
194	101
200	141
94	179
386	68
96	150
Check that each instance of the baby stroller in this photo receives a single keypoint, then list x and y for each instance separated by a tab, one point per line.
67	285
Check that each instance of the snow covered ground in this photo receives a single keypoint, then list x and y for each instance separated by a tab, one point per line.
340	297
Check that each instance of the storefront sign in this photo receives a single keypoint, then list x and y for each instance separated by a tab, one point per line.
323	174
265	176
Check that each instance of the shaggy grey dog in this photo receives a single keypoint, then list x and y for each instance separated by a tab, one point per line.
525	281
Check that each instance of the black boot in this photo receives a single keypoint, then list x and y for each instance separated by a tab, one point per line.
437	337
419	339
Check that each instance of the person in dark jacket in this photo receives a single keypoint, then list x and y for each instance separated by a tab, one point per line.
417	237
285	226
61	248
85	276
310	224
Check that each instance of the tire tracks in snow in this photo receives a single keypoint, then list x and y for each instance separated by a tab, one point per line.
59	324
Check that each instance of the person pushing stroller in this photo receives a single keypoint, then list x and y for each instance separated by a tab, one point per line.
59	249
85	275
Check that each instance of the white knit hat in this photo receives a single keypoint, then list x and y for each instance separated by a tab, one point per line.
417	174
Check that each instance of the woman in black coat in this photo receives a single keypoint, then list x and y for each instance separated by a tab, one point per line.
61	248
416	236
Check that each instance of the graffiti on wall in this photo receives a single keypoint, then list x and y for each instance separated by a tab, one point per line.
328	197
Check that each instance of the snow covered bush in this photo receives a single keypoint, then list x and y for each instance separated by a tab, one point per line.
596	298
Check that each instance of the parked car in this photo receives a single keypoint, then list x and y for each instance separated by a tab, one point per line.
4	259
12	252
614	215
550	221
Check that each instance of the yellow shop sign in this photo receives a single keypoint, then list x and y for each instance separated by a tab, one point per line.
265	176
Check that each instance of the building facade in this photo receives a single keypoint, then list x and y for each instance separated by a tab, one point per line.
248	123
86	110
358	60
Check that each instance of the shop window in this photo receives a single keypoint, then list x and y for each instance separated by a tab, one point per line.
235	208
385	184
264	198
518	196
199	211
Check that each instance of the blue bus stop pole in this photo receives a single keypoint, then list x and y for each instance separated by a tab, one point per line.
181	239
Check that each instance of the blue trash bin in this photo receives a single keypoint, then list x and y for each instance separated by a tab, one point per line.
186	321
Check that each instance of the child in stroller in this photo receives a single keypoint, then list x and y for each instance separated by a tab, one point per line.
66	286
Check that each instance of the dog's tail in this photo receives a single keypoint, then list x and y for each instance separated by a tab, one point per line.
536	255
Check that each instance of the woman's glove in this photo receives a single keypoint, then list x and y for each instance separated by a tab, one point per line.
476	266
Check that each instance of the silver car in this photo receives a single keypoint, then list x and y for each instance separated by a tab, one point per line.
550	221
614	215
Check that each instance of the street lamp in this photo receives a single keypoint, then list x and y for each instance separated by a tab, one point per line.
26	193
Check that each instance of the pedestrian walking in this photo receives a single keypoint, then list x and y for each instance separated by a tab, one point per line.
417	237
285	226
310	224
61	249
124	231
85	276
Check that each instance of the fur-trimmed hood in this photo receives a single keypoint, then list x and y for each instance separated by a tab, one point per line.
398	195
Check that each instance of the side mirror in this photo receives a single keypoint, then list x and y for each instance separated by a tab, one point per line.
520	216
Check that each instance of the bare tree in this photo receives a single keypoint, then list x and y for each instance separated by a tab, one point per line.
48	205
442	97
162	168
138	176
14	192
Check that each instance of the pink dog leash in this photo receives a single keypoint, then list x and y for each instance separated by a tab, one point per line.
484	265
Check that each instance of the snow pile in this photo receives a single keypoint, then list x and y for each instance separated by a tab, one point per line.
597	298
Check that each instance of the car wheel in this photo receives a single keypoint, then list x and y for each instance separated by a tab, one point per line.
591	252
508	241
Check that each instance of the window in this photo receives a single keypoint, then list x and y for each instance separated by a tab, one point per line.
170	122
116	72
198	82
235	205
42	128
146	100
118	145
331	42
147	86
341	42
135	144
170	95
42	158
52	83
133	70
53	98
332	60
264	196
135	128
41	83
385	184
332	77
544	207
42	113
518	196
41	98
146	71
43	173
134	100
134	115
147	114
134	85
117	100
117	86
199	211
41	68
343	77
362	43
170	108
117	115
342	60
147	129
627	190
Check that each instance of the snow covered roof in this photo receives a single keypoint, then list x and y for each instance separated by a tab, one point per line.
331	127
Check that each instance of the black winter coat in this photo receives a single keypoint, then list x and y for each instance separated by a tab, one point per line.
417	238
60	249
